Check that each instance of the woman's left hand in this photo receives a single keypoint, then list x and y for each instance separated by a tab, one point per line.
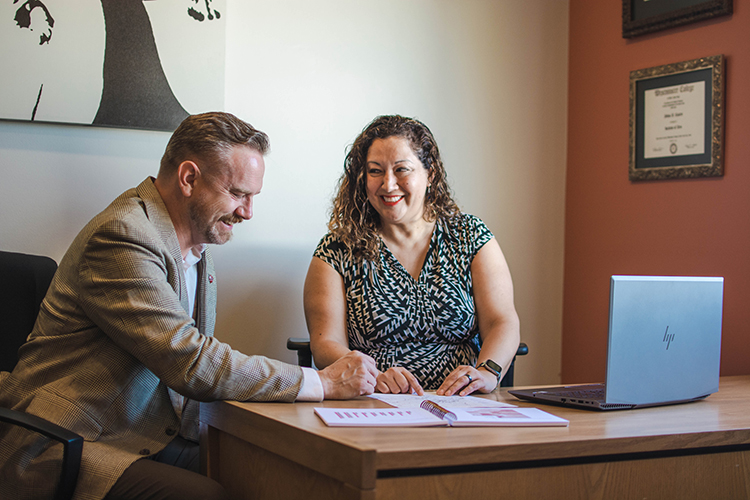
466	379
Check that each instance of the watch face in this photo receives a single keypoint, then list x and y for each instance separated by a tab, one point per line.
492	366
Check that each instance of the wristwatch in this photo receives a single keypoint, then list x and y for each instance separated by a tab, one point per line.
492	367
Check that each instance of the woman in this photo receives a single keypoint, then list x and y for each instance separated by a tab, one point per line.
405	277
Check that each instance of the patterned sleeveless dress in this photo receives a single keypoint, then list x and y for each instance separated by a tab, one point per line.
428	326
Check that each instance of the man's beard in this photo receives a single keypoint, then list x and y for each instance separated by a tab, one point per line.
209	229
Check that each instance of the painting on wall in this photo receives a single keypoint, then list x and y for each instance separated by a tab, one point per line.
112	63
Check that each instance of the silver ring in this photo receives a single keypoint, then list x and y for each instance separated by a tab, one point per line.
469	377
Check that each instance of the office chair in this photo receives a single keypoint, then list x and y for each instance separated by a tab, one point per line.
24	281
304	357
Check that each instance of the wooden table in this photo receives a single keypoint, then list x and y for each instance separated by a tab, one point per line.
276	450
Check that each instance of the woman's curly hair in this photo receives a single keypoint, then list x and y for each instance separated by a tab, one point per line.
353	220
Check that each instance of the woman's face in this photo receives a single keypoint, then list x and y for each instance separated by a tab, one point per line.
396	181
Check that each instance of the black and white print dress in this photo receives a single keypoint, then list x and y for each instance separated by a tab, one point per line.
428	326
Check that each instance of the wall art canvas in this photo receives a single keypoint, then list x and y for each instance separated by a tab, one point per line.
115	63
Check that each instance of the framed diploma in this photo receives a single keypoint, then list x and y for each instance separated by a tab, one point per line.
677	120
646	16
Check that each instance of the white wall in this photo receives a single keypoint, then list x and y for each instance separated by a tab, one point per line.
488	77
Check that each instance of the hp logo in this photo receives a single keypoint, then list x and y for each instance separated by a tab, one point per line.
668	337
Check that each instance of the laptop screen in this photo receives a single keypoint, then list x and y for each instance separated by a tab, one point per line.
664	338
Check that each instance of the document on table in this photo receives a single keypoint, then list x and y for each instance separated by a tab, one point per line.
378	417
413	401
410	410
432	414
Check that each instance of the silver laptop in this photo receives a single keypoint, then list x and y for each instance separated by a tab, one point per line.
664	346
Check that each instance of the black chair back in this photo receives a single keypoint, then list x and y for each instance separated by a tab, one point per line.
24	280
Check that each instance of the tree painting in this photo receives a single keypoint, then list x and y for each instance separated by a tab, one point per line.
114	63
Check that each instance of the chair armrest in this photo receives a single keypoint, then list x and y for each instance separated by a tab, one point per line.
72	446
508	379
523	349
302	346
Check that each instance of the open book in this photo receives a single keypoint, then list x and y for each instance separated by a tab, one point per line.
432	414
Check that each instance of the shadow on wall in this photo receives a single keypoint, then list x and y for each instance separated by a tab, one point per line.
260	297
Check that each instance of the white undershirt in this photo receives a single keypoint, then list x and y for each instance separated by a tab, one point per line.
312	388
191	273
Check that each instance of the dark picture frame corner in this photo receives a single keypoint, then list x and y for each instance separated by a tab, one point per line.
647	16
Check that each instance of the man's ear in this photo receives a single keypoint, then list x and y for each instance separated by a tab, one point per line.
187	173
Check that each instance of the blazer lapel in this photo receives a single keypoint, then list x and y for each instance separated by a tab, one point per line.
158	214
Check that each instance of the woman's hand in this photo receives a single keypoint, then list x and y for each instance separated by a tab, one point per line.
466	379
398	380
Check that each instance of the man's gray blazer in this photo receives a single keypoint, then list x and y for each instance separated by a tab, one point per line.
114	351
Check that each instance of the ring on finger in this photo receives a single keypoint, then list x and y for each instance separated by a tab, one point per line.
469	377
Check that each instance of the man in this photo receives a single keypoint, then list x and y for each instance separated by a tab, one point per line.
123	347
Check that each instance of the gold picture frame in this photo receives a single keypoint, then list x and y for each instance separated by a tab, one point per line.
677	120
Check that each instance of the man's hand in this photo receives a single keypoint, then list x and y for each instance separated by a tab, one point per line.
398	380
348	377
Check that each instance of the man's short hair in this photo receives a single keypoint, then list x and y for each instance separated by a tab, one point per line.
210	137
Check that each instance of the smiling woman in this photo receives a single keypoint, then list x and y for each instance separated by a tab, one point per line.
396	183
354	219
405	277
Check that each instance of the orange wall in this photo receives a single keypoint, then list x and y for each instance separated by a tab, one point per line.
676	227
